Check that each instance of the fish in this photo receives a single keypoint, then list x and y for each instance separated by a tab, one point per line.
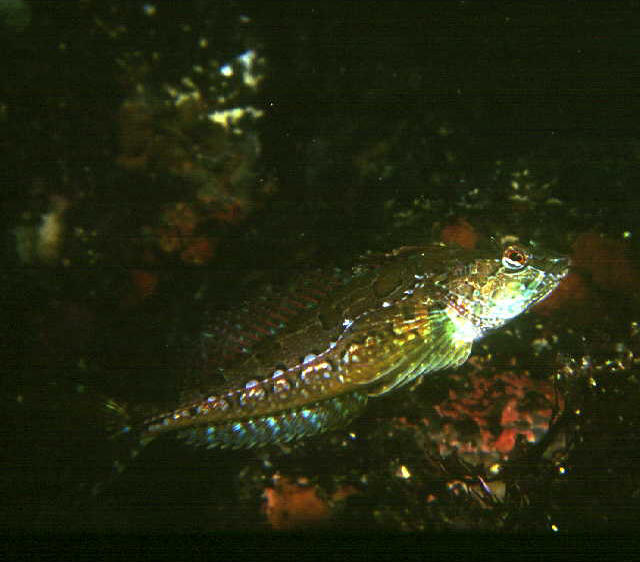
396	317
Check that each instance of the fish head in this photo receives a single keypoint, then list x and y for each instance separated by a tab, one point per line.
489	290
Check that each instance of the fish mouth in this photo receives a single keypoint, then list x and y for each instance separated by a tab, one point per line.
555	270
556	267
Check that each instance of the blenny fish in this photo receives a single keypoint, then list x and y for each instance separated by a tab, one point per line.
399	316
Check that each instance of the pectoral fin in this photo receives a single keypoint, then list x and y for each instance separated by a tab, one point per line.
436	347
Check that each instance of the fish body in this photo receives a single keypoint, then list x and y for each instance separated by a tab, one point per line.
402	315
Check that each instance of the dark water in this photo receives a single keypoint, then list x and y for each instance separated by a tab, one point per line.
131	219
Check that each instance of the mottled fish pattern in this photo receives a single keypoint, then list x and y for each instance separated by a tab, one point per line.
313	363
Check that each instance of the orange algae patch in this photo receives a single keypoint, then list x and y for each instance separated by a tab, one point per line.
460	233
599	261
607	261
292	505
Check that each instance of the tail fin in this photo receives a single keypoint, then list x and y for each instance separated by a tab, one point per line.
126	440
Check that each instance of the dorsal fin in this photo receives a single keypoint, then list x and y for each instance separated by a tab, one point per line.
231	335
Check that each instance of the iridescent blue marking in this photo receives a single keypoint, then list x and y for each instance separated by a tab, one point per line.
283	427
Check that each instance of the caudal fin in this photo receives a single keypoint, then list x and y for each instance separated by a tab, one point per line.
125	440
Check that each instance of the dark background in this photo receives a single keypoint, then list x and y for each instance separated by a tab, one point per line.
383	123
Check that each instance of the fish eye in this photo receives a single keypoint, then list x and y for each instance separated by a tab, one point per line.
514	258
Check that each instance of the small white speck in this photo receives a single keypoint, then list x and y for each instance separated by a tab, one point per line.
247	57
